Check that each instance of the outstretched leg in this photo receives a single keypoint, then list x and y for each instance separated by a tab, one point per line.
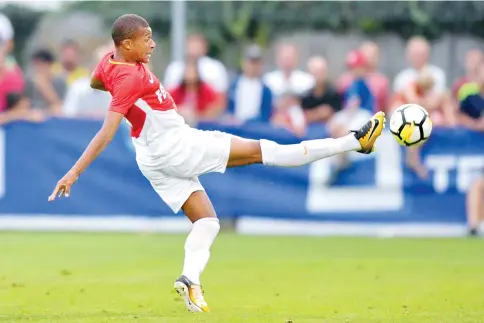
246	152
201	213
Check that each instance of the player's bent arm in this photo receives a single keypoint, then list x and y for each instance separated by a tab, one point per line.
99	142
97	84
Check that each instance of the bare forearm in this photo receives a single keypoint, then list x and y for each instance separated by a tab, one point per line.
99	142
95	147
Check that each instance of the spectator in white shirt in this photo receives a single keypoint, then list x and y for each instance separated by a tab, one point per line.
418	53
84	102
212	71
288	78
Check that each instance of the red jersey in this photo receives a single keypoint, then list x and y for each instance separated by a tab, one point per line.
135	90
201	100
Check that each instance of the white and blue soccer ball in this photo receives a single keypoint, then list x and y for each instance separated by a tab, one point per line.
410	124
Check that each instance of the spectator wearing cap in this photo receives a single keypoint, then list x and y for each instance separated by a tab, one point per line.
69	66
378	83
358	107
44	90
358	94
211	71
196	99
322	101
249	98
288	78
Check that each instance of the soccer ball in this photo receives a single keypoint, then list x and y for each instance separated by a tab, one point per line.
411	125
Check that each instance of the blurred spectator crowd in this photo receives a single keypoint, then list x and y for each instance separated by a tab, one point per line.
287	97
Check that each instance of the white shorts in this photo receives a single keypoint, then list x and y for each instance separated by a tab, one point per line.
352	120
171	155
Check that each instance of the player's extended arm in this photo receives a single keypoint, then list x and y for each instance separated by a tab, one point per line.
95	147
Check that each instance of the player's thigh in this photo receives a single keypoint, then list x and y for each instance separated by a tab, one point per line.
244	152
213	151
198	206
174	191
199	152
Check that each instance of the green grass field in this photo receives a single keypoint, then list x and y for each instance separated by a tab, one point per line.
53	277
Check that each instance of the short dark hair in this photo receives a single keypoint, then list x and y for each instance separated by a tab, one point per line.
125	26
43	55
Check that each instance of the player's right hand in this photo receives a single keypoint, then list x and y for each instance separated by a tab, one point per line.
63	187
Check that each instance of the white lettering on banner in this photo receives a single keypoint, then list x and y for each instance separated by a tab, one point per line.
441	165
468	168
2	163
385	195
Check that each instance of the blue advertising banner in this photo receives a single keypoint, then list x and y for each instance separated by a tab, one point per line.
376	188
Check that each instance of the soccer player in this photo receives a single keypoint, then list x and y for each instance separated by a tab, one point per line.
171	155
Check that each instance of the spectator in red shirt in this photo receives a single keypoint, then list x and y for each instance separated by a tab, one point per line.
196	99
378	83
11	83
13	104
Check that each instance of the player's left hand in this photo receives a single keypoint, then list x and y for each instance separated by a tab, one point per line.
63	187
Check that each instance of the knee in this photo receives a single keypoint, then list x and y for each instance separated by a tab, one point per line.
245	152
255	152
214	225
268	150
209	224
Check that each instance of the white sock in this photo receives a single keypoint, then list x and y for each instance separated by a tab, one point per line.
305	152
197	247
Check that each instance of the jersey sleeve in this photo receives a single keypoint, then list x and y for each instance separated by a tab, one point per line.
98	71
127	89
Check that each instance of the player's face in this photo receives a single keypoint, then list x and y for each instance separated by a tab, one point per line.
144	45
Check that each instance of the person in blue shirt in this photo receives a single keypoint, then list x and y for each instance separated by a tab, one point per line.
472	107
359	104
249	98
358	93
472	117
